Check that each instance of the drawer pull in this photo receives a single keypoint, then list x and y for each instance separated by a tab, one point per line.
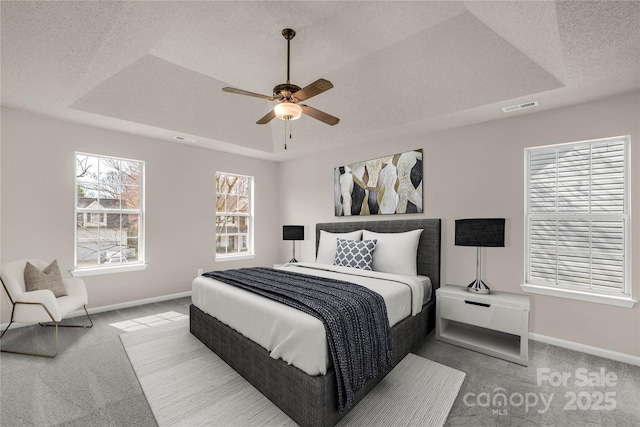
477	303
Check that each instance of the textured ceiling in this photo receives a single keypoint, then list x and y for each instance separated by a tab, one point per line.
398	68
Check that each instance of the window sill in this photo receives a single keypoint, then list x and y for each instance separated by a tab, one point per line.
620	301
82	272
224	258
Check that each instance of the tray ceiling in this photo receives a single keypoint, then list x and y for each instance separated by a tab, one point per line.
157	68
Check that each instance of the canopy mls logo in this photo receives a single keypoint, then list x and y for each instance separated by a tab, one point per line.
593	399
499	401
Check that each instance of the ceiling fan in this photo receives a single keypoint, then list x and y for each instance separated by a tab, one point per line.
289	95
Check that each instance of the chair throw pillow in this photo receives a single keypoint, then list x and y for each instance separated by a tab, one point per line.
355	254
49	278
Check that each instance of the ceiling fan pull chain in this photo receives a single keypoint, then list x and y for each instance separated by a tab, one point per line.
287	121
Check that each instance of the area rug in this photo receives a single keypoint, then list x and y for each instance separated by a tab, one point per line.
186	384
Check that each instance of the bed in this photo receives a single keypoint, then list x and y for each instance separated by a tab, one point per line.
310	400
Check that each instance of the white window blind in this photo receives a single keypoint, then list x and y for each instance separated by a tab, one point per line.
577	216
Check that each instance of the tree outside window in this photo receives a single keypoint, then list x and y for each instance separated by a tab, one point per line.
108	211
233	214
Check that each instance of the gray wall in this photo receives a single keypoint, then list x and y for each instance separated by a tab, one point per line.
478	171
472	171
38	167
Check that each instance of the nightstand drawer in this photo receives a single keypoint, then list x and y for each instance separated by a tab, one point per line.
482	314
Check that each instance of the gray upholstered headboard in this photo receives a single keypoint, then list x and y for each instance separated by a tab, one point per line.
428	258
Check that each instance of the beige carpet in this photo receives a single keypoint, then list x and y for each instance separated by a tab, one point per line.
186	384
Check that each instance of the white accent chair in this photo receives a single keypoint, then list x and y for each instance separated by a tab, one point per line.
41	306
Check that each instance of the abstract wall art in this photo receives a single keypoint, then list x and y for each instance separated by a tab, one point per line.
384	186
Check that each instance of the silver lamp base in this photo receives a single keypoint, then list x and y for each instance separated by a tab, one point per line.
293	259
478	287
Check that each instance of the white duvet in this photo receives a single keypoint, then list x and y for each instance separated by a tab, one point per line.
289	334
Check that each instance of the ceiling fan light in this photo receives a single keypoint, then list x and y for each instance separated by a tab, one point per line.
288	111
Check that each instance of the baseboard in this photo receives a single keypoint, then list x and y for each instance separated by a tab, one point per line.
119	306
608	354
601	352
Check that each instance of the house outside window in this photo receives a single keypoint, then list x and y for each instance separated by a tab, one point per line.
234	216
92	219
108	212
577	221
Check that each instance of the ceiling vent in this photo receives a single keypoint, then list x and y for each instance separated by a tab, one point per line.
520	106
183	138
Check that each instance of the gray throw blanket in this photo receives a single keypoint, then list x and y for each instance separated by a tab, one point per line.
354	317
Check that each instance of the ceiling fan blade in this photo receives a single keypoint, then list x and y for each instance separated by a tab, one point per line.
267	118
247	93
315	88
319	115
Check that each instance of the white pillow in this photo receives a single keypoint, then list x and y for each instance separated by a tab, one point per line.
395	252
328	244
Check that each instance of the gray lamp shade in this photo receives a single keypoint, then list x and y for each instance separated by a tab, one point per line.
486	232
293	232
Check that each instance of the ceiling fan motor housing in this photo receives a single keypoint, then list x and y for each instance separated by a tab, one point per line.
284	91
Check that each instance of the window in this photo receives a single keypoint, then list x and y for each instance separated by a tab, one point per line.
108	213
234	215
577	221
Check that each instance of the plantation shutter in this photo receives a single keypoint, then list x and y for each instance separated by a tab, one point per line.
577	215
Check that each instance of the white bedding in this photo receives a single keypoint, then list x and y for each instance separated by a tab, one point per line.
296	337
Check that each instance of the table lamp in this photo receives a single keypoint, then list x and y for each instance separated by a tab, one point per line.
480	232
293	232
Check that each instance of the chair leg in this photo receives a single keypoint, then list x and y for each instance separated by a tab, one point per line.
90	325
27	353
7	328
88	317
56	324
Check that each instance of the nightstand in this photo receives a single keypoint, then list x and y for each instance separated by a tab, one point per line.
496	324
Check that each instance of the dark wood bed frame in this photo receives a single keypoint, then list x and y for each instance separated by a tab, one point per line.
312	400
